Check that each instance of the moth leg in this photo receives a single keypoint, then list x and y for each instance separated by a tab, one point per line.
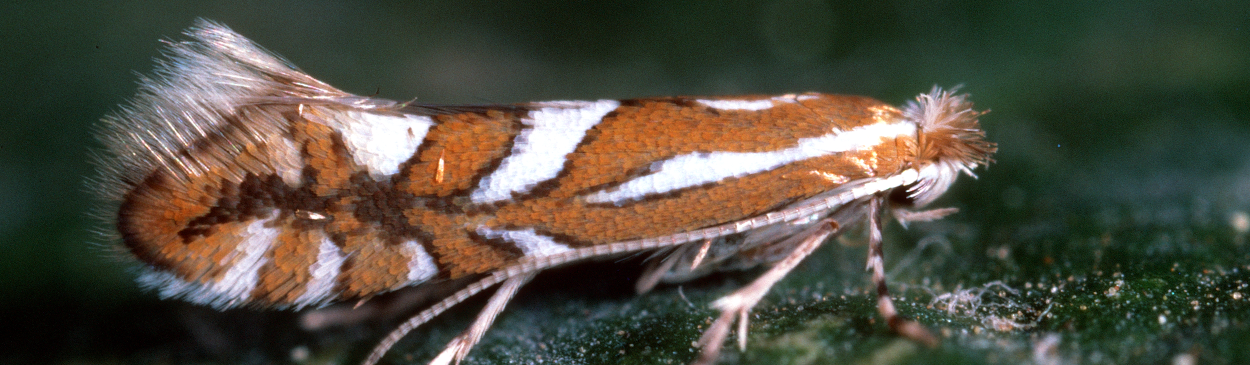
459	347
907	216
657	268
739	303
885	305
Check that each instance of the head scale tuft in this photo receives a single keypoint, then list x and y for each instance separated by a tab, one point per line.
950	141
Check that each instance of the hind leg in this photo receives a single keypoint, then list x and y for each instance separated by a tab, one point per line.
738	304
459	347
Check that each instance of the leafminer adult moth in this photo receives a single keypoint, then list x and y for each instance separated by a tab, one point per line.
240	181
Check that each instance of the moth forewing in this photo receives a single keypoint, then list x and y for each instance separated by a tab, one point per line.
240	181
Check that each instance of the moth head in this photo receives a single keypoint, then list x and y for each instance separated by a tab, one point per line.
949	141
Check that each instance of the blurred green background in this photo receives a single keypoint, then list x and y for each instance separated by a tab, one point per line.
1111	229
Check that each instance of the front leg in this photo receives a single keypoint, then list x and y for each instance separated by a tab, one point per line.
739	303
885	305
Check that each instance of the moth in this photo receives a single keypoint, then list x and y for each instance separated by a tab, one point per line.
237	180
